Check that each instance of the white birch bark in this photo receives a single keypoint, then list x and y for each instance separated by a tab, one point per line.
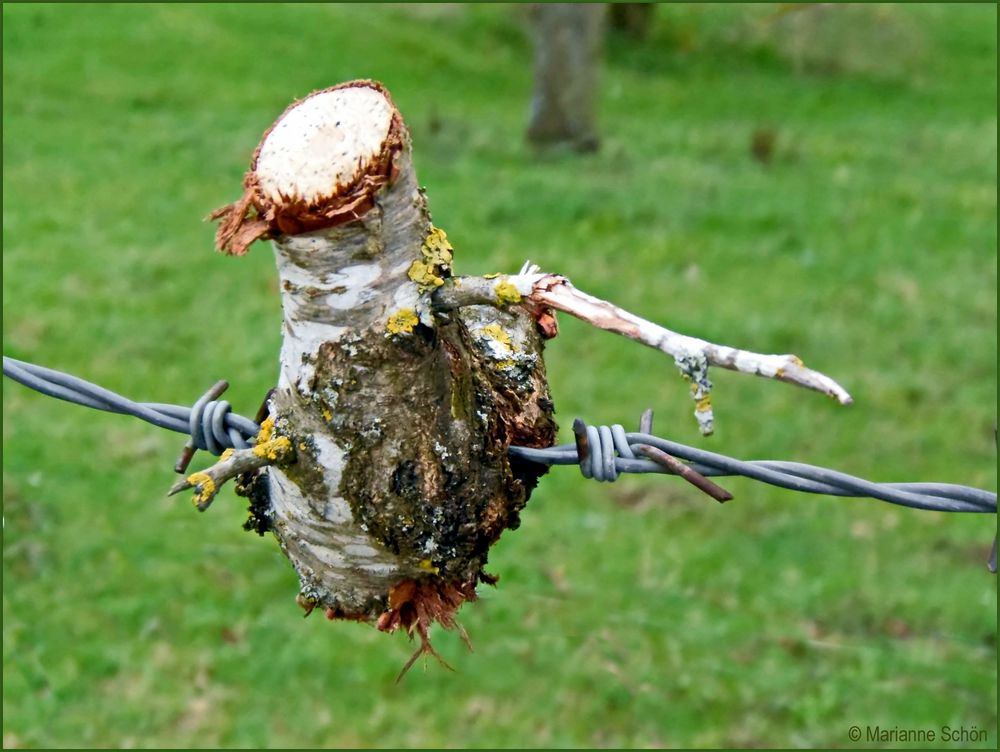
399	417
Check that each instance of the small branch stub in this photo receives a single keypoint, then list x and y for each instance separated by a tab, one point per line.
234	462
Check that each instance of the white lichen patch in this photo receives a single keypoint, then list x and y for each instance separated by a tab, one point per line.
441	450
373	431
505	349
324	142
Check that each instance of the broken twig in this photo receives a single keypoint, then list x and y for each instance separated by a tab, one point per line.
692	356
209	481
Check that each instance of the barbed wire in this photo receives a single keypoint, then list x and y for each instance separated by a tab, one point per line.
609	451
601	452
210	423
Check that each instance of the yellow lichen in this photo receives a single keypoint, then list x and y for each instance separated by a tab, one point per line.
274	449
266	429
427	566
424	275
226	455
436	255
491	276
402	321
496	332
506	292
797	361
436	246
204	487
327	415
704	404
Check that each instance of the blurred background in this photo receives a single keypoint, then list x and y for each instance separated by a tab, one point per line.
818	180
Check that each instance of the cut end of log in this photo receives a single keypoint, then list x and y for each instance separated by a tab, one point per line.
324	144
319	165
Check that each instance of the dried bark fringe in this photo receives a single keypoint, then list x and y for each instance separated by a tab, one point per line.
415	606
254	216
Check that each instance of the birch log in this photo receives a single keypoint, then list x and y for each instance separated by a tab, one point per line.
399	417
401	386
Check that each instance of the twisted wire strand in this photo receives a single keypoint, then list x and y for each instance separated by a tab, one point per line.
609	450
211	424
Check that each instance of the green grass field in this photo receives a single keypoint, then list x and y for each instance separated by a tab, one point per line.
639	613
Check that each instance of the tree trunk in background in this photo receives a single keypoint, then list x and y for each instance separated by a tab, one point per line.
567	39
632	18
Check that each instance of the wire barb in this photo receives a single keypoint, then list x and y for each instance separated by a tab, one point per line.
692	476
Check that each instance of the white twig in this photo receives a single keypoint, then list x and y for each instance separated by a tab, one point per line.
693	356
557	292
